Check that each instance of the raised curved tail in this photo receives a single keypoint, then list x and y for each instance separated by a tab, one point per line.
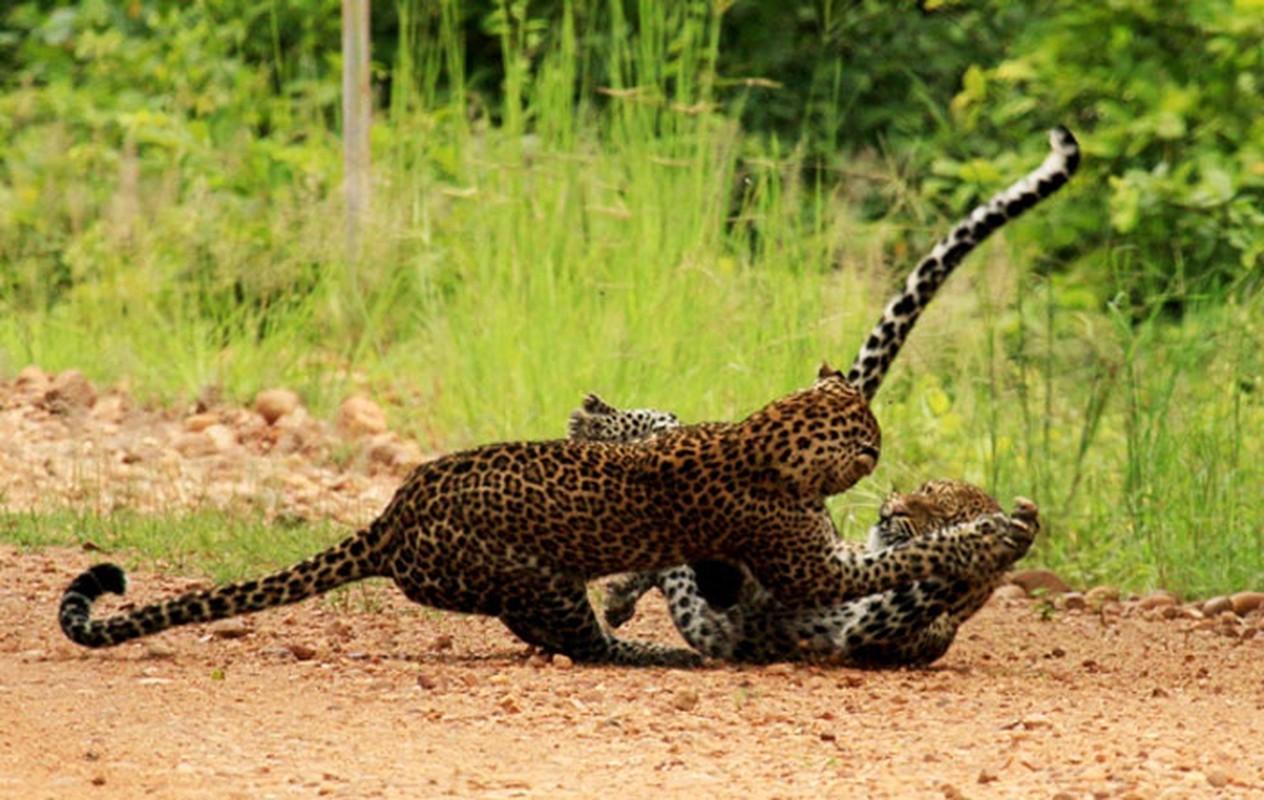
888	336
351	560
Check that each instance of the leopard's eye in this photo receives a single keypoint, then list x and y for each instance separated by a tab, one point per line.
890	516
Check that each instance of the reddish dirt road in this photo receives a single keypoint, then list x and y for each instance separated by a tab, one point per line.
369	696
364	695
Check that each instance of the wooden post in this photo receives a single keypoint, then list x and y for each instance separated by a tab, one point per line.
357	116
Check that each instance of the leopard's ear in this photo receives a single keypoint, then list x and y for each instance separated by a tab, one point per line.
826	371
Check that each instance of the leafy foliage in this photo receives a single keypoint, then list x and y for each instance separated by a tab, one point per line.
117	113
1169	99
1165	97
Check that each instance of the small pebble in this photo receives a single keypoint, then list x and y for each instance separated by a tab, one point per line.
428	683
272	404
1100	595
1074	601
231	628
684	700
200	422
951	792
70	391
360	416
509	704
1216	605
221	437
1008	592
1217	777
32	376
301	652
158	649
1159	599
1245	602
1033	580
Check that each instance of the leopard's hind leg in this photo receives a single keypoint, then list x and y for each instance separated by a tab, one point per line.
918	649
542	603
554	614
909	626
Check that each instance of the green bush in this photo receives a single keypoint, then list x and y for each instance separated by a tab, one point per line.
116	113
1167	99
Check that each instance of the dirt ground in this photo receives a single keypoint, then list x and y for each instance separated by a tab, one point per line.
366	695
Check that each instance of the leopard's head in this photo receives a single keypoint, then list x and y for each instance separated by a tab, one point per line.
823	439
934	505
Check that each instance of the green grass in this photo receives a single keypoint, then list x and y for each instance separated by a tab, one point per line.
579	241
222	546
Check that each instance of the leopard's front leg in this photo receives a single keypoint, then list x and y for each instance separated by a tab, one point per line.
807	570
598	421
623	593
978	590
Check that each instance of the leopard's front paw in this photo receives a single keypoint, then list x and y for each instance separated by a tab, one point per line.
622	594
991	543
1026	511
618	610
1014	535
598	421
588	423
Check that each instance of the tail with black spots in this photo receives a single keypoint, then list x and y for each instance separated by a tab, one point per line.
900	314
351	560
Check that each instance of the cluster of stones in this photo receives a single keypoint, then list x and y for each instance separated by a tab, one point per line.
65	442
1239	615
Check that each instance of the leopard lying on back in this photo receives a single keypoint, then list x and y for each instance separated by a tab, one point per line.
910	626
517	530
707	597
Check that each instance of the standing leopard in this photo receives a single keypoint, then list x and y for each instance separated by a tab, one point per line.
516	530
910	626
720	583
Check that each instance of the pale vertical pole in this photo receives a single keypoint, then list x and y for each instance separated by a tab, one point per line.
356	116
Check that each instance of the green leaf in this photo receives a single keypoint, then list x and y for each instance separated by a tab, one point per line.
1125	204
